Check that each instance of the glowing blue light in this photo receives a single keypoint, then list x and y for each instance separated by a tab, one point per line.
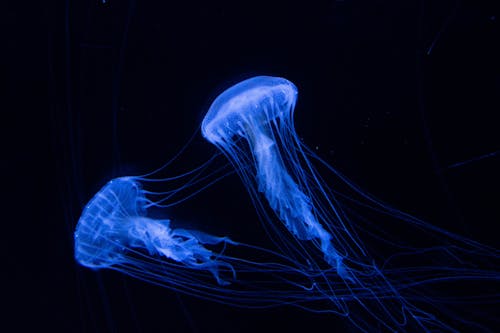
115	222
338	249
249	110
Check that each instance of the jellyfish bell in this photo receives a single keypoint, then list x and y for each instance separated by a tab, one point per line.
259	99
99	235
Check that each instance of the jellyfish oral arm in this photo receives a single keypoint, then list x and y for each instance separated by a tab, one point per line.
180	245
285	197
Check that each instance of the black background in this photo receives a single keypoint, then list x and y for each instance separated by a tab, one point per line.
392	93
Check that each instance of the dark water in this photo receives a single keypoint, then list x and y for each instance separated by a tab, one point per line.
393	93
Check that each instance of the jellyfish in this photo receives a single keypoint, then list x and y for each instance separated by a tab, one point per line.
252	124
336	248
115	220
248	110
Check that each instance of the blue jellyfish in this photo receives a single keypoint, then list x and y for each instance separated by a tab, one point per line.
335	247
252	124
115	221
248	110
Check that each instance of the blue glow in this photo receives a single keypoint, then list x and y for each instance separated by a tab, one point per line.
114	222
338	248
249	110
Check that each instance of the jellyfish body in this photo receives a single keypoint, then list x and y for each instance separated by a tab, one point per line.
115	222
248	110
